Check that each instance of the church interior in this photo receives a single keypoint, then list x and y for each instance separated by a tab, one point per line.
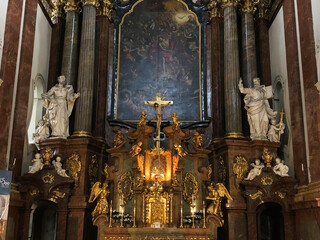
160	119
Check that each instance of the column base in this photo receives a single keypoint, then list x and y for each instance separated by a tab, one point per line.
81	134
234	135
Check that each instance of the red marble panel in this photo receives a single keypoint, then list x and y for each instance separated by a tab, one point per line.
294	86
21	106
8	69
100	111
217	108
312	97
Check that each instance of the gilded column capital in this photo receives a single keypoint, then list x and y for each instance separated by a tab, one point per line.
249	6
95	3
229	3
263	10
57	9
106	8
71	5
214	9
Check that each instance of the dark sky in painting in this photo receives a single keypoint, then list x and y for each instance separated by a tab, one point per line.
159	52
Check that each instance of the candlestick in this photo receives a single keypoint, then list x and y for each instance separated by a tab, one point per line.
192	211
204	215
134	213
122	212
181	214
110	220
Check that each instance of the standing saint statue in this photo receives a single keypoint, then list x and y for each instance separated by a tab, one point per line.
59	101
258	108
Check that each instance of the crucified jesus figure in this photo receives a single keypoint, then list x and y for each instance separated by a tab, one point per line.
159	103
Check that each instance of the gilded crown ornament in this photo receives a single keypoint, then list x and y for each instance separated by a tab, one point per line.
249	6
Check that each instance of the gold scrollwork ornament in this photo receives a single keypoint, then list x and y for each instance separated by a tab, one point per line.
190	187
240	167
256	195
73	165
47	178
267	181
125	187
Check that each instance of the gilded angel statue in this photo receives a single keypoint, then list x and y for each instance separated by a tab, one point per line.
136	149
100	193
216	193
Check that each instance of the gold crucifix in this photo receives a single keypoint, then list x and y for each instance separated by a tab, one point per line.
159	103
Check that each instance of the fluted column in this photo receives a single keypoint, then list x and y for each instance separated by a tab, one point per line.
85	84
249	56
233	120
70	47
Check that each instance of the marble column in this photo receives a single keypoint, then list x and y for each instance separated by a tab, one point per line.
233	118
70	46
249	56
103	26
85	84
264	49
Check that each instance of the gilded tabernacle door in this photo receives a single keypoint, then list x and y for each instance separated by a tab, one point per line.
159	45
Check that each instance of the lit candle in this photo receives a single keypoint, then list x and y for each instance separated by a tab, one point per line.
181	214
204	214
110	220
134	213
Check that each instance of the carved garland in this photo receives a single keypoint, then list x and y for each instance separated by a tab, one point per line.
125	187
73	165
190	187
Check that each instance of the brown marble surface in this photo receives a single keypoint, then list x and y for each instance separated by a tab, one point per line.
216	71
100	111
8	69
294	86
264	51
56	51
311	95
24	80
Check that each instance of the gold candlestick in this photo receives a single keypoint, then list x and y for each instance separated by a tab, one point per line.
192	206
204	215
110	220
122	212
134	214
181	214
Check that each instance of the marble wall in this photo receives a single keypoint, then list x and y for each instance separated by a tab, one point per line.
3	15
279	74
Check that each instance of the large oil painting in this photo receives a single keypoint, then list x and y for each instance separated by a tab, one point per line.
159	51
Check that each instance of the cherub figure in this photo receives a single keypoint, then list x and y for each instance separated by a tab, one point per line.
142	121
256	170
136	149
58	166
175	121
274	129
101	194
216	193
280	168
179	150
37	164
42	131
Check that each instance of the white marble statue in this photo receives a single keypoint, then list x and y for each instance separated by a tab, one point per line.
42	132
58	166
280	168
37	164
274	129
59	101
258	108
256	170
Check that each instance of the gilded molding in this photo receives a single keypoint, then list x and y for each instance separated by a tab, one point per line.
214	9
229	3
71	5
94	3
57	9
263	11
249	6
